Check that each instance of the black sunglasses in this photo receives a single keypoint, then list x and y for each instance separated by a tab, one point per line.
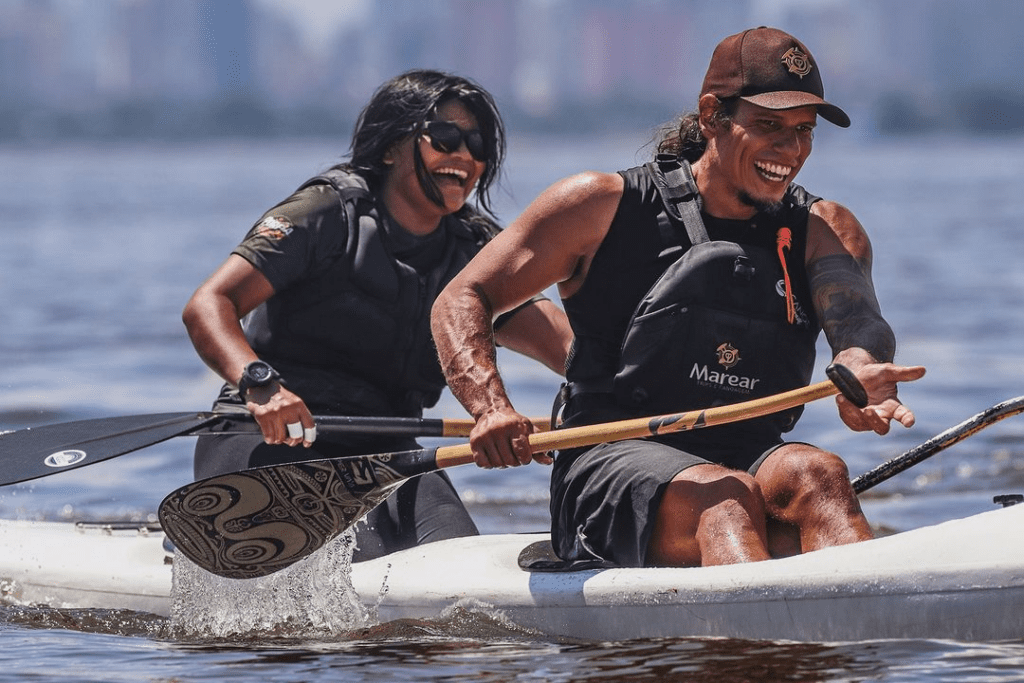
446	138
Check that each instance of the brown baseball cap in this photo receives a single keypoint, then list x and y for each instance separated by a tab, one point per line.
769	68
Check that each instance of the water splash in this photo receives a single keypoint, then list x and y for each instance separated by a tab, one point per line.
312	598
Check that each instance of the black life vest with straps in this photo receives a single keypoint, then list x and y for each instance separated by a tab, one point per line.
700	322
353	336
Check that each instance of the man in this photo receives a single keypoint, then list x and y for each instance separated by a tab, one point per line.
700	279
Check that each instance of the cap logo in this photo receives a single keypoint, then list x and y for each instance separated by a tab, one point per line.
797	62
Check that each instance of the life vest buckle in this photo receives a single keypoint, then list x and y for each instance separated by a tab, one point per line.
742	269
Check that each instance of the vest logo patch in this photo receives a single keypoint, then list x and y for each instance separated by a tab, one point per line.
274	227
728	355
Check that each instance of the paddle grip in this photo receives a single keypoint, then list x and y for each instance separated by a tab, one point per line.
848	384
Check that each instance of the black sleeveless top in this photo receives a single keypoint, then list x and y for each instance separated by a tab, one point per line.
681	311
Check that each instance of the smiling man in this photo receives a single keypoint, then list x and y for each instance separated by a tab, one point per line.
702	278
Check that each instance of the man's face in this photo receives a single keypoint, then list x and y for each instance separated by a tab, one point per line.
763	150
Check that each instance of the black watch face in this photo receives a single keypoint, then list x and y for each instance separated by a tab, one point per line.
259	373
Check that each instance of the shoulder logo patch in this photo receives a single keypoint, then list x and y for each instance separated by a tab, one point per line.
274	227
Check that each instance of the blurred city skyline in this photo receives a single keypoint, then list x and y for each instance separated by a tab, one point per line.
185	68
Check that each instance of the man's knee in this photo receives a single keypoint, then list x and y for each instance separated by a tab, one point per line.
705	503
704	486
800	471
811	489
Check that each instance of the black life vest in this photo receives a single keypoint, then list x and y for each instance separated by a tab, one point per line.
354	337
724	322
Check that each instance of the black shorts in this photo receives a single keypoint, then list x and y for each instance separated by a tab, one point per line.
604	500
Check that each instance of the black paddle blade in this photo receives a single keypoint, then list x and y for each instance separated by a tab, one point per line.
41	451
256	522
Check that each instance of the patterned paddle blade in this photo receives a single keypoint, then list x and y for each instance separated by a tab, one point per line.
256	522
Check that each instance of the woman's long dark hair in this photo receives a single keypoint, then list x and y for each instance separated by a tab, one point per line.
401	106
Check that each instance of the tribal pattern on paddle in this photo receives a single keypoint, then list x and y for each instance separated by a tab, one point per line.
256	522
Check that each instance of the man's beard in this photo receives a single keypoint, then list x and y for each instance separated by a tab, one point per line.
759	205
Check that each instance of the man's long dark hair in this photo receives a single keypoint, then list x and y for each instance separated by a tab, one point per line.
401	106
683	136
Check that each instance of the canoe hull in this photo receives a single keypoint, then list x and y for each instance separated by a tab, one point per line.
961	580
84	566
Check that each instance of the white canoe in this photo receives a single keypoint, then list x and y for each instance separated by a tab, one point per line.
960	580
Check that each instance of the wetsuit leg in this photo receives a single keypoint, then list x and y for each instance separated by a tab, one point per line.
424	509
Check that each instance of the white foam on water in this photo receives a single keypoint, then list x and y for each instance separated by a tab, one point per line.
312	598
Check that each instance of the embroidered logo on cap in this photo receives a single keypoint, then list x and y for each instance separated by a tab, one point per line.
797	62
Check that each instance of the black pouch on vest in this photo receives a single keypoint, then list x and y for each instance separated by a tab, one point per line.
713	329
702	332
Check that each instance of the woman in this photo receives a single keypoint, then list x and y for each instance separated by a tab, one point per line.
335	286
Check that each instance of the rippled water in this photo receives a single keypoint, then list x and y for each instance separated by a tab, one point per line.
104	245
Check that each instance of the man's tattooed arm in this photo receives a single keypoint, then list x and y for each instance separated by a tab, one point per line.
848	309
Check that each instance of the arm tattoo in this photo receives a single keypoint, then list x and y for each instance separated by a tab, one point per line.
847	307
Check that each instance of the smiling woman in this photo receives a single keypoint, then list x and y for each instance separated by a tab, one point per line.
335	286
431	176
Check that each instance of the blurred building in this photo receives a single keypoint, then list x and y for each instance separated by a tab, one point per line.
185	67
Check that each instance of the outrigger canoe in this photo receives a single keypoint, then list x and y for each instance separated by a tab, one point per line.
961	580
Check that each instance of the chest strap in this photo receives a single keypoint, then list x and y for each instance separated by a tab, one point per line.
680	197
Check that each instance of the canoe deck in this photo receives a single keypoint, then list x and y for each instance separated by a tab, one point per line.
961	580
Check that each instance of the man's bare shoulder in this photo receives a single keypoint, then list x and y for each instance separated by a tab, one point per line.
834	218
586	187
565	225
577	209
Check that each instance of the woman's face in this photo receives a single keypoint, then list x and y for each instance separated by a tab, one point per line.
454	172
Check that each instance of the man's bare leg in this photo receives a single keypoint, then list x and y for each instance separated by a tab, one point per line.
709	515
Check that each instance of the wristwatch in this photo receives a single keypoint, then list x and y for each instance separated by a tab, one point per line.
256	374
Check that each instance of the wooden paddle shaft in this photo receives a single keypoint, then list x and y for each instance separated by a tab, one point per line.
220	522
641	427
